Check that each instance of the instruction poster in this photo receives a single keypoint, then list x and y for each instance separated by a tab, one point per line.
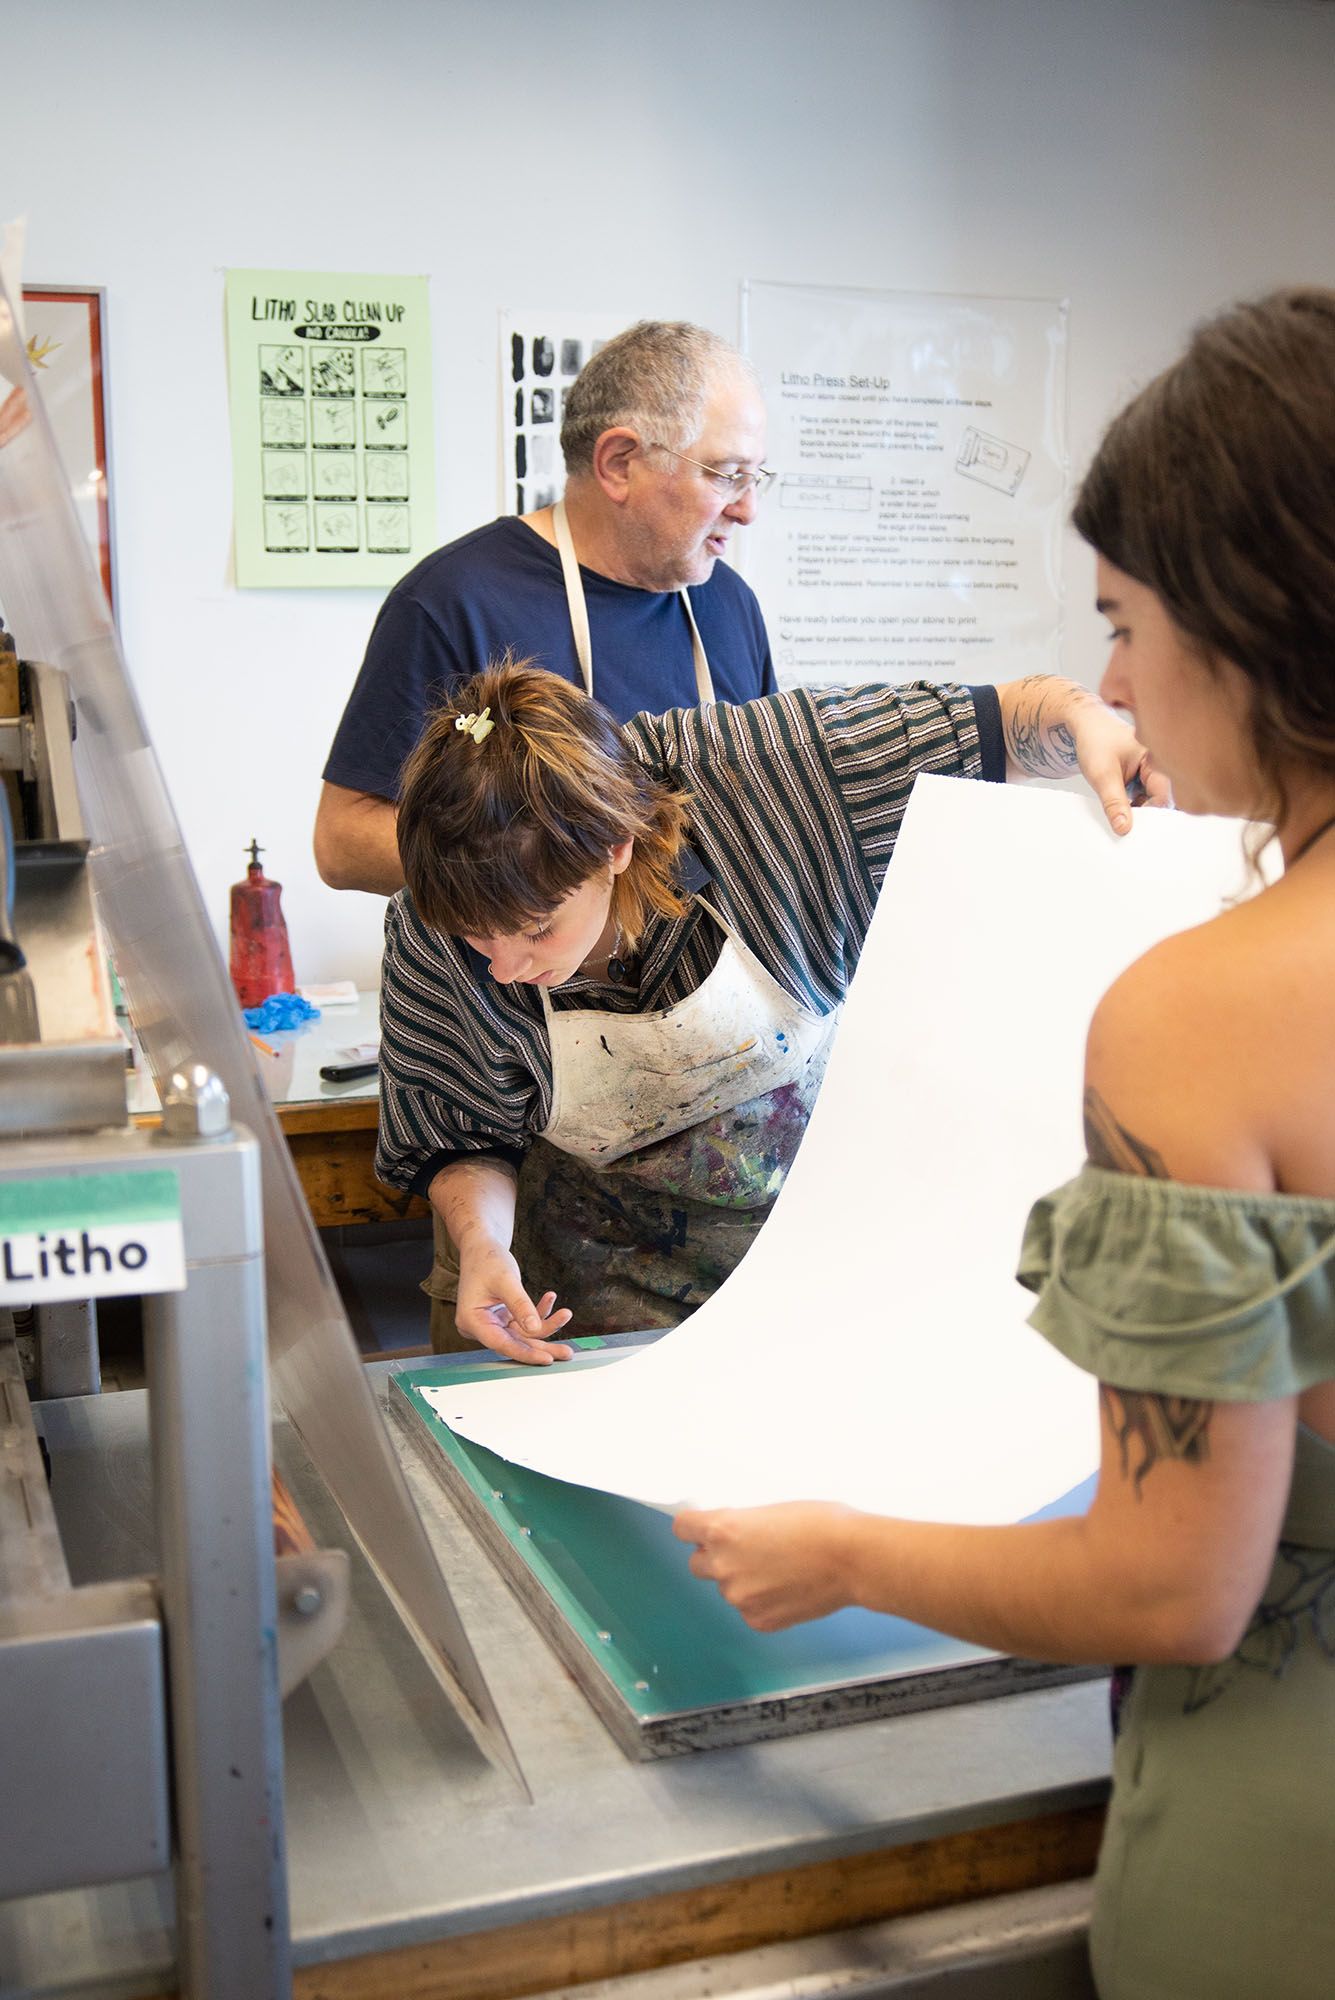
333	463
915	529
541	354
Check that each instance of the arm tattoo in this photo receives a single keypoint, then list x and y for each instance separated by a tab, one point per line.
1157	1427
1039	738
1109	1144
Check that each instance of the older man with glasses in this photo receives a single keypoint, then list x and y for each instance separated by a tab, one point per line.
618	588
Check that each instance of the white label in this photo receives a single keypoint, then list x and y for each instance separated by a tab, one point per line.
90	1236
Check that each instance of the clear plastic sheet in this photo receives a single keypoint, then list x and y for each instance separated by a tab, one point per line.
183	1009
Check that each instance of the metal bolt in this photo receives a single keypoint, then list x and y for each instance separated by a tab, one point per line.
196	1104
307	1599
641	1687
606	1638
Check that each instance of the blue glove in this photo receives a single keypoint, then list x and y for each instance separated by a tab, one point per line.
280	1010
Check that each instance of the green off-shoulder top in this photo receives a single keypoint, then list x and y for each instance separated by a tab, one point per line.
1194	1291
1185	1291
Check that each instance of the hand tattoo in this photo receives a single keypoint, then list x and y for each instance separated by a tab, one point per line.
1039	738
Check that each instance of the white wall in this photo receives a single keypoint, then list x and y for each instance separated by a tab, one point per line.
1150	162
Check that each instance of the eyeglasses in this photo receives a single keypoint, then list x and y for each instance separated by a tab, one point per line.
735	484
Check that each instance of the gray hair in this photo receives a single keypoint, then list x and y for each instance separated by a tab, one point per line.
655	378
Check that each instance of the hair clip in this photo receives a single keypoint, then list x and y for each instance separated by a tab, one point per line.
479	727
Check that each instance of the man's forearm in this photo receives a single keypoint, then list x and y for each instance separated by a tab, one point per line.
1038	724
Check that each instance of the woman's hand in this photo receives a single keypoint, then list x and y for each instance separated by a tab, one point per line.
776	1565
495	1310
475	1199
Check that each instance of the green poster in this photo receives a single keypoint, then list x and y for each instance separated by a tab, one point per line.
333	465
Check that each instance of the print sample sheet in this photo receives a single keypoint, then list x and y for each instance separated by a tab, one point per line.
872	1346
915	529
541	354
333	444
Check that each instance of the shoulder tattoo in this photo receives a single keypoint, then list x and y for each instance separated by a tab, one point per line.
1109	1144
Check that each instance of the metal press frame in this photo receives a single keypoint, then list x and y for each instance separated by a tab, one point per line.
138	1710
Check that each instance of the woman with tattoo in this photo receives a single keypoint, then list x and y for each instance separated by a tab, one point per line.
1191	1264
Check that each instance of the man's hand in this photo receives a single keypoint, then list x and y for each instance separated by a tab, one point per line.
776	1565
496	1311
1053	727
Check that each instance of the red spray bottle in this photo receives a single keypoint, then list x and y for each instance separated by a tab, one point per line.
261	956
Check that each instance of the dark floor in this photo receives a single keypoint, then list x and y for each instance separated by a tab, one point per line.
379	1272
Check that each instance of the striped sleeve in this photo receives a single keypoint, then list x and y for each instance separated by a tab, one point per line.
465	1065
880	737
798	798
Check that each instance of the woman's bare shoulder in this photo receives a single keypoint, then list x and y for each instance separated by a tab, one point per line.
1185	1051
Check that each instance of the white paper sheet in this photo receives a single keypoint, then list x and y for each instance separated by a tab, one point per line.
872	1345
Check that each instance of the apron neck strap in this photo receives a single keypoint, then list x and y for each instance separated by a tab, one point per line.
704	685
579	612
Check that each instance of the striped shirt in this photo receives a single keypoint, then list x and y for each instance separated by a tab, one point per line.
797	801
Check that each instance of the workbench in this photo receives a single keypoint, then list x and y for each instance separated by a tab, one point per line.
330	1127
417	1871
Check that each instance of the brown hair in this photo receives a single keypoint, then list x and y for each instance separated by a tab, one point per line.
1216	489
493	835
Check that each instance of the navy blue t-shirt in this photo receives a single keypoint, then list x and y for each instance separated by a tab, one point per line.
501	589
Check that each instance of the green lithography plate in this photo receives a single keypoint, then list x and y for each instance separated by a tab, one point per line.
666	1662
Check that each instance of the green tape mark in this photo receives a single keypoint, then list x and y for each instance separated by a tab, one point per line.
79	1201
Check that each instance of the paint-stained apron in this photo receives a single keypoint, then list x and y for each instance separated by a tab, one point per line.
669	1138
